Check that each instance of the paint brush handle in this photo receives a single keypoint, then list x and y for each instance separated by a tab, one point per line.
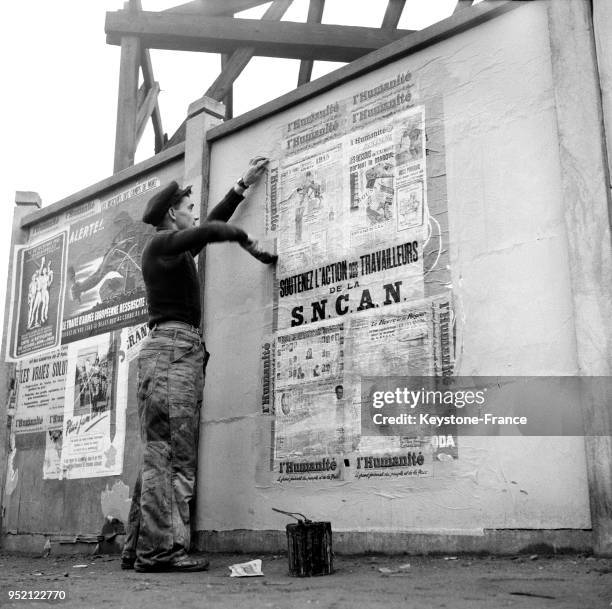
292	514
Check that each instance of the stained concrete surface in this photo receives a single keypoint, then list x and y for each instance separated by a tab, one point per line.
409	582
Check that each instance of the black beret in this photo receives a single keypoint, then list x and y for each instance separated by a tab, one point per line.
161	202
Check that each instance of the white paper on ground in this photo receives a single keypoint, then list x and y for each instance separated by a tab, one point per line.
246	569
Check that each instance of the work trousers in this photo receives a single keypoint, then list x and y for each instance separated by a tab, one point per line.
171	367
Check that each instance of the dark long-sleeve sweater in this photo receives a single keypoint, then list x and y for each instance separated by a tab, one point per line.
169	270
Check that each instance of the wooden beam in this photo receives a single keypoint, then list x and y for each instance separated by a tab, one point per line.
461	4
393	14
229	98
147	75
241	57
269	39
215	8
125	134
140	96
315	15
145	111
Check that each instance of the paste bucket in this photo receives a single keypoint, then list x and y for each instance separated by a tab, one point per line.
309	546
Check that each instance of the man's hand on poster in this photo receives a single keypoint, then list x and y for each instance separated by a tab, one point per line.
257	167
254	248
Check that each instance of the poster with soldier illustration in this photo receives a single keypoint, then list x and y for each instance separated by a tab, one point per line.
38	282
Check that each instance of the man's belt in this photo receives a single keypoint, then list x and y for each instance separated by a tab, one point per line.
177	325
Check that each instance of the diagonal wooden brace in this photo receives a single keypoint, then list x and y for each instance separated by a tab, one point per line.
241	57
315	15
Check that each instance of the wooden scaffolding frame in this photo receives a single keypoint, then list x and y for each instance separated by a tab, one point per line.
210	26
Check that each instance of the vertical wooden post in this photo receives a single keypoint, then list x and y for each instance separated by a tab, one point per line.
229	98
585	199
315	15
127	106
148	81
25	203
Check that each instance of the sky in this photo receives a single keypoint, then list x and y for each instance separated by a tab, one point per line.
60	89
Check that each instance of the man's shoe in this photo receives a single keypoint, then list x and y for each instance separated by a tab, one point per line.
190	564
127	563
186	565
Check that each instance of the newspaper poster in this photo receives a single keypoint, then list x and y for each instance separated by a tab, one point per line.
309	402
396	341
410	340
310	211
36	307
377	264
104	288
308	442
41	385
374	104
395	458
94	408
267	364
387	178
410	170
371	167
309	355
305	132
399	340
372	280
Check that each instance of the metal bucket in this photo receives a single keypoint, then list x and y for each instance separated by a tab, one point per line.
309	546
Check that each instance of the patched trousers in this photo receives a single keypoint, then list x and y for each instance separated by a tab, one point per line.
171	367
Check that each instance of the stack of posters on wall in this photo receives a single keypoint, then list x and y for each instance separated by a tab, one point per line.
75	325
359	243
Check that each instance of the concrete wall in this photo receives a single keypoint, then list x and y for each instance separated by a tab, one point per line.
510	262
517	176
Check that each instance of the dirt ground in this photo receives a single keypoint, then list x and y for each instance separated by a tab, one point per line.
362	582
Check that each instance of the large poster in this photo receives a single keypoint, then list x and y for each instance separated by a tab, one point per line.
370	280
36	307
85	280
387	178
310	213
362	241
94	408
105	289
407	340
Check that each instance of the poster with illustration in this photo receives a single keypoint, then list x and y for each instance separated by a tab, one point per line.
39	272
94	408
